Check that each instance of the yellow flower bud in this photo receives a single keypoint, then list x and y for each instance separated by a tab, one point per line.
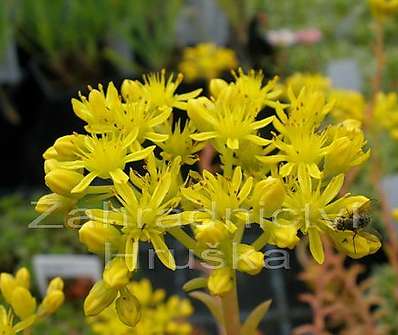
96	235
65	146
99	298
268	196
56	284
211	231
62	181
128	308
54	203
281	232
7	285
130	90
50	164
249	260
22	302
116	273
52	301
23	277
50	153
220	281
216	86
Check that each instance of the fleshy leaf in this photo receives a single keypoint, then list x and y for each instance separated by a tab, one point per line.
211	303
253	320
195	284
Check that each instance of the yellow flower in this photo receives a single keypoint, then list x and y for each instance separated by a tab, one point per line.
348	105
313	81
104	157
300	144
157	316
310	207
157	91
348	141
267	197
142	217
99	110
139	117
206	61
246	157
250	87
249	260
220	200
145	294
228	120
15	291
385	112
220	281
180	143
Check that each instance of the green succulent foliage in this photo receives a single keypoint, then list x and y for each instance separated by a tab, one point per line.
5	25
385	287
19	240
69	319
148	27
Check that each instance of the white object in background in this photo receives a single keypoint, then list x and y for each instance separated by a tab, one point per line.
390	188
283	37
202	21
66	267
10	72
345	74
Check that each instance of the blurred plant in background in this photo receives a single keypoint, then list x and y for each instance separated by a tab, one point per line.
65	37
15	212
5	26
148	28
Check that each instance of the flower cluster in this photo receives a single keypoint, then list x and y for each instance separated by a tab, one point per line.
286	183
206	61
23	306
157	315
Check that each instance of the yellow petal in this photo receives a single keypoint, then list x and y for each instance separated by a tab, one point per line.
233	143
118	176
85	182
162	251
316	245
162	188
204	136
131	250
22	302
139	155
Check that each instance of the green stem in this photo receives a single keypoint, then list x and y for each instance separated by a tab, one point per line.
230	310
228	162
186	240
261	241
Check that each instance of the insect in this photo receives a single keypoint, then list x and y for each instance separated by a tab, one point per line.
354	220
